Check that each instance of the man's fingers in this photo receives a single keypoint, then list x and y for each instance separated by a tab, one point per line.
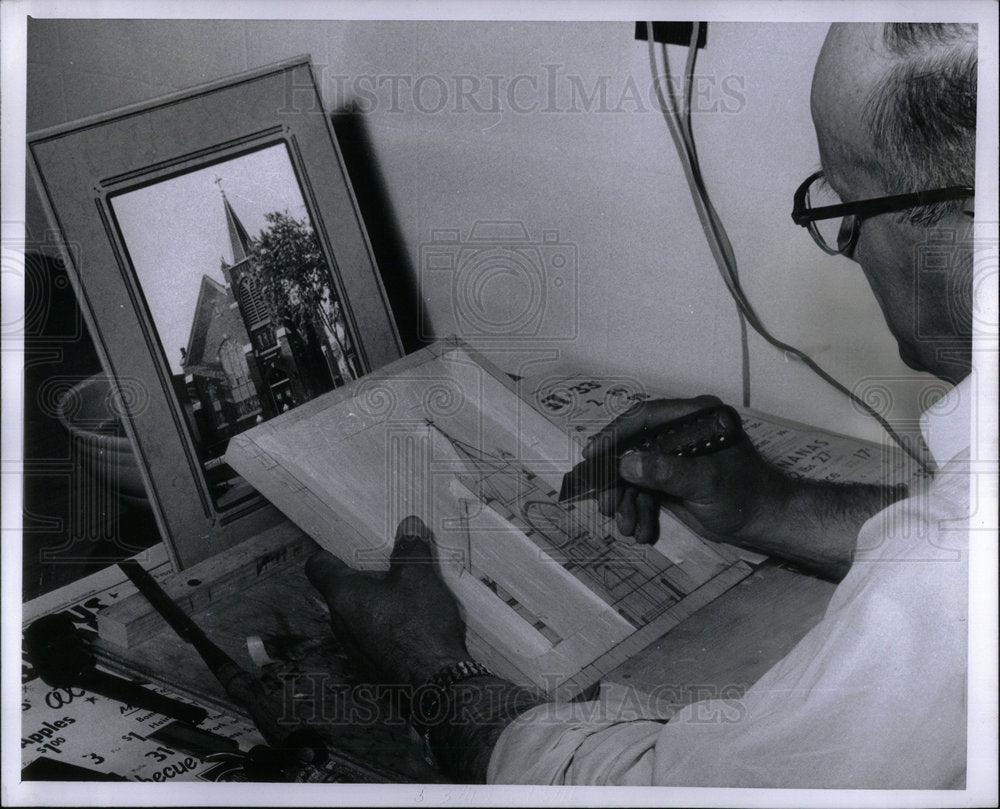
355	653
647	416
411	550
625	518
342	632
335	581
647	518
607	500
669	474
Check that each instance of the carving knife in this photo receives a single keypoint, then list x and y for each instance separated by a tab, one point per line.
700	433
299	748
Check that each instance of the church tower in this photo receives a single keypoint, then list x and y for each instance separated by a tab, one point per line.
286	370
239	239
243	286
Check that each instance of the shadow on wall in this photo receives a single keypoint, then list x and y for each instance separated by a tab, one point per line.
391	256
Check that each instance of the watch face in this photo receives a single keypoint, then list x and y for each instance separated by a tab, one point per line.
428	706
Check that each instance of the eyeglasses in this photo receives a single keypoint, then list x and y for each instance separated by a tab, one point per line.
832	222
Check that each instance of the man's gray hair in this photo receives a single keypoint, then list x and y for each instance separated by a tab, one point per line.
923	113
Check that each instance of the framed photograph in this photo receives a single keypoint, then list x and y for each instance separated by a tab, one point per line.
207	239
217	252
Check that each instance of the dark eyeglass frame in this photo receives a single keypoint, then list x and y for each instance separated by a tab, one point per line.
853	212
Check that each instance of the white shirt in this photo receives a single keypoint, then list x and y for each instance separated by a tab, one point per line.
874	696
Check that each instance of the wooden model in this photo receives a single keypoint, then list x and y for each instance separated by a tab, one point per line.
551	595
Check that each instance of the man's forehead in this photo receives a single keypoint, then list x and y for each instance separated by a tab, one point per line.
850	64
851	61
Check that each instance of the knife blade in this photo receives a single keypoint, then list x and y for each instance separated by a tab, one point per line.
705	431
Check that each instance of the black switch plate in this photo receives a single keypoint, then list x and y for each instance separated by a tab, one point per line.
673	33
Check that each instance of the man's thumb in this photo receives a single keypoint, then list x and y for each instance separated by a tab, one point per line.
413	543
654	470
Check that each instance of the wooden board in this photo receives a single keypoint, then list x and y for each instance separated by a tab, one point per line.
718	651
134	620
551	595
310	682
723	649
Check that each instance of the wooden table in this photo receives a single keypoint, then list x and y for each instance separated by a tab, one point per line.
733	641
730	643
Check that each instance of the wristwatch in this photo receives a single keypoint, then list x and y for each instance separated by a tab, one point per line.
429	704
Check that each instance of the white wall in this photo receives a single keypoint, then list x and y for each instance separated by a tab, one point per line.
650	304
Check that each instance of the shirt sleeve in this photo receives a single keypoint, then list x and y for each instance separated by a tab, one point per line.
872	697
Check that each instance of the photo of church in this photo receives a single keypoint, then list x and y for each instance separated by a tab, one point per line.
240	365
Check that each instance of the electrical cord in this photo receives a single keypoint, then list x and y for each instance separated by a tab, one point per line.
711	224
720	231
681	132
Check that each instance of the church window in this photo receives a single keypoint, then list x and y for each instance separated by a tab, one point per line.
234	364
250	301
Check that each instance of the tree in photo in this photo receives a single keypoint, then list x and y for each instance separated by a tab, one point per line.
294	282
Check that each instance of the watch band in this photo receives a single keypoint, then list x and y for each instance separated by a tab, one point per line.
425	703
456	672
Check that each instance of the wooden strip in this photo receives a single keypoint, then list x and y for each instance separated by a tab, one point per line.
494	621
544	586
133	620
656	629
154	559
733	641
501	666
596	670
275	475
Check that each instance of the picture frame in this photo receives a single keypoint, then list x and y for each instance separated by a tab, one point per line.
108	183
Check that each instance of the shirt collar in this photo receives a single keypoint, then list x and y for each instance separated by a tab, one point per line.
947	423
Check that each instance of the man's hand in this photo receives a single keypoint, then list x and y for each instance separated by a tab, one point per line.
401	627
721	495
735	496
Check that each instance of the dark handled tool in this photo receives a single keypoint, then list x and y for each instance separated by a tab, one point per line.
296	749
708	430
62	659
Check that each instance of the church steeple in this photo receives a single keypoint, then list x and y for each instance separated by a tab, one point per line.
239	239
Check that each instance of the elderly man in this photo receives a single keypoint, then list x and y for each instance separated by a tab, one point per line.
874	695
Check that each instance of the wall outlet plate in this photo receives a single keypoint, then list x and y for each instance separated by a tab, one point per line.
672	33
